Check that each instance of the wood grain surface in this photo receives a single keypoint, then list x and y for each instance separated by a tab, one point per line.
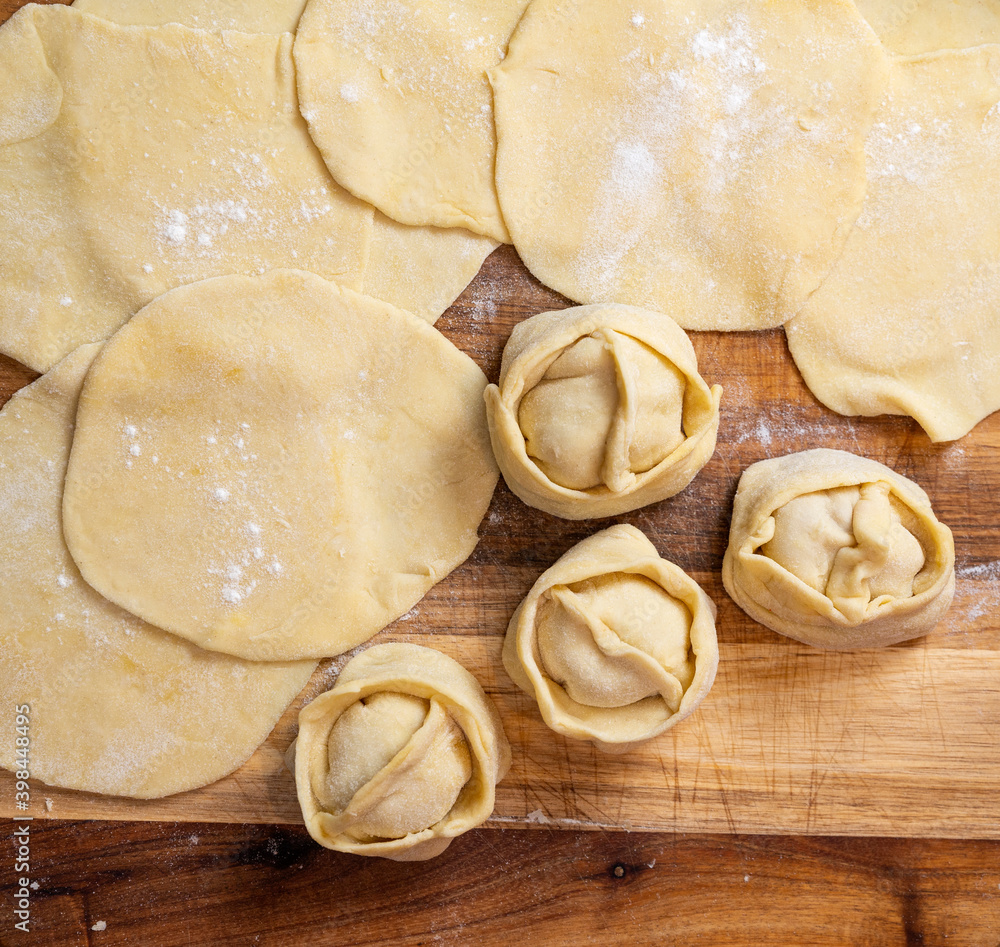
900	741
174	885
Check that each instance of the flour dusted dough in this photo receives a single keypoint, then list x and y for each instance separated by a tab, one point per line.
276	467
909	27
117	707
909	320
837	551
600	410
615	643
398	101
135	159
402	755
250	16
703	160
422	269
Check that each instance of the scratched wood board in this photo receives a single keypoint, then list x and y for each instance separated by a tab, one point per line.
900	741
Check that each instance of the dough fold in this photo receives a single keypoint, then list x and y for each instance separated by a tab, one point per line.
276	467
837	551
401	756
614	643
117	706
600	410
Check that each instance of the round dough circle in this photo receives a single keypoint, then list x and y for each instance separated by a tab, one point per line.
705	164
116	706
276	467
397	100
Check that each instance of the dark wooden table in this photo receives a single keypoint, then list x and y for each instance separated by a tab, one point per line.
178	884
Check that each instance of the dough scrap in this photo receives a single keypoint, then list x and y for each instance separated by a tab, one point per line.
398	101
117	706
422	269
106	204
614	643
907	322
708	164
401	756
923	26
837	551
282	479
248	16
600	410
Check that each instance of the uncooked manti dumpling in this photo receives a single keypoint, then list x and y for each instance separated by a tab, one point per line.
402	755
837	551
615	643
600	410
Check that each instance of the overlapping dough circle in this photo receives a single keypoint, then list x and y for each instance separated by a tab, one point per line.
704	160
398	101
117	706
907	322
137	159
276	467
419	269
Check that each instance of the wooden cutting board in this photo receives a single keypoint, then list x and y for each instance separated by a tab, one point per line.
901	741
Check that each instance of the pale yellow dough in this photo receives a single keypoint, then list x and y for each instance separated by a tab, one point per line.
398	101
837	551
249	16
908	322
614	643
910	27
704	160
136	159
276	467
116	706
402	755
422	269
600	410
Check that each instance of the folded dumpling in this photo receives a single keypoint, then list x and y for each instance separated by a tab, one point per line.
837	551
402	755
600	410
615	643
